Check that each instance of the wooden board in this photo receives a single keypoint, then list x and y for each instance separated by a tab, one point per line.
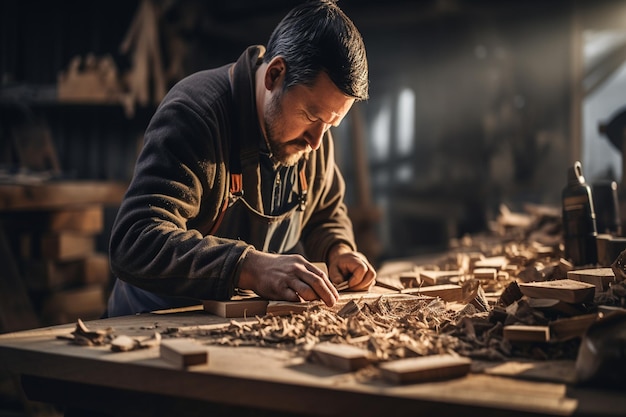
447	292
602	278
488	274
567	290
497	262
183	352
236	307
426	368
438	277
525	333
340	356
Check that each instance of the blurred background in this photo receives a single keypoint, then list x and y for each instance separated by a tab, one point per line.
474	104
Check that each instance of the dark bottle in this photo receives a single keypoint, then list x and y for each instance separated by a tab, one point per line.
579	219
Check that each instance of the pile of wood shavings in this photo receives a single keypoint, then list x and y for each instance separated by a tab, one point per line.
386	328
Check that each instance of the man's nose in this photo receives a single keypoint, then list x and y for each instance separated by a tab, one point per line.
316	133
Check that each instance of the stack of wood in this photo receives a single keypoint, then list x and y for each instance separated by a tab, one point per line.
64	273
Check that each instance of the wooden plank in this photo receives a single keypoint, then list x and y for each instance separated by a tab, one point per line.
438	277
567	290
340	356
447	292
487	274
526	333
497	262
425	368
60	194
67	246
602	278
183	352
236	307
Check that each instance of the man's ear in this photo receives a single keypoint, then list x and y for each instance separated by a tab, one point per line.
275	73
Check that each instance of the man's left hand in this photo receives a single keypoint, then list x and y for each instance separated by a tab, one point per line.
346	265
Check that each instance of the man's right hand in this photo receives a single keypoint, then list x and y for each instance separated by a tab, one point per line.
285	277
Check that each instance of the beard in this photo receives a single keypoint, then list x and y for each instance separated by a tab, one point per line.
283	153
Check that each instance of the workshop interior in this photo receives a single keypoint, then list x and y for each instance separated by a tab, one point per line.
493	133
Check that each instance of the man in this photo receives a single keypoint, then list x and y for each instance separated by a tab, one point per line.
236	186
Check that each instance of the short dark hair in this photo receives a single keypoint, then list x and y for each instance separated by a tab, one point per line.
317	36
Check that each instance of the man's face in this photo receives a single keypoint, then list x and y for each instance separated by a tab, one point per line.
296	120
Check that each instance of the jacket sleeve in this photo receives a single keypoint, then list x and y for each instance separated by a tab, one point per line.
179	184
326	221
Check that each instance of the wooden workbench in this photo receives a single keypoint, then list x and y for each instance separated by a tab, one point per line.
270	381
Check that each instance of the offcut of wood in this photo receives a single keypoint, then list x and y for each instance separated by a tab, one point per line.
438	277
526	333
183	352
425	368
567	290
497	262
447	292
340	356
236	307
555	306
572	327
602	278
488	274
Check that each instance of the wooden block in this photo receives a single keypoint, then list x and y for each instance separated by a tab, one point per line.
183	352
525	333
497	262
489	274
89	220
447	292
555	306
426	368
572	327
341	356
438	277
283	308
247	307
602	278
67	246
567	290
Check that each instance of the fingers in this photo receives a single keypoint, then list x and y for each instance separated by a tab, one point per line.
317	286
356	269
